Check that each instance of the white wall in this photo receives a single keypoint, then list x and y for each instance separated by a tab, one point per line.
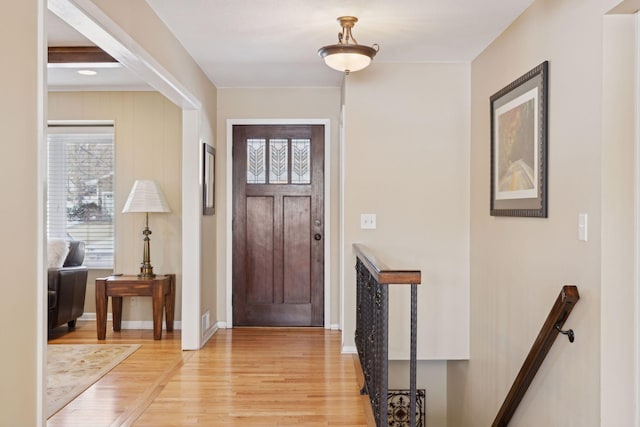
148	145
276	103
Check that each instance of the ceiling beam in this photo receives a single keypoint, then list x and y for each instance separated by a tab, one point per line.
78	54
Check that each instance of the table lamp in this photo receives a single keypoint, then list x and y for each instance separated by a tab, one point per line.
146	196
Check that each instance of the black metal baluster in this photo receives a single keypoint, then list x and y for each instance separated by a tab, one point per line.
372	338
384	353
414	350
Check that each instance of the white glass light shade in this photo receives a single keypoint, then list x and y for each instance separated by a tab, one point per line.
347	61
347	58
146	196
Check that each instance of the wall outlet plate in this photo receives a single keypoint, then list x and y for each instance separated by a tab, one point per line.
368	221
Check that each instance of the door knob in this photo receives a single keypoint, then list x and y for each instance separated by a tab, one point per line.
317	236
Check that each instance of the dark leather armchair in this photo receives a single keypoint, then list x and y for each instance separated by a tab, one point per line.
67	288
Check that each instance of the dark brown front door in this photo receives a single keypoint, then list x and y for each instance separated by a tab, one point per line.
278	225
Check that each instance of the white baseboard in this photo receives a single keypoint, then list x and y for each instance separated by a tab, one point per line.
334	327
208	334
220	325
349	349
92	316
130	324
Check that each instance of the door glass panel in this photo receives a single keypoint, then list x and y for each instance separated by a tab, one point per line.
300	161
256	161
278	161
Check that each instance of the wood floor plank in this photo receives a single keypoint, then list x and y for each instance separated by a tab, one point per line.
243	376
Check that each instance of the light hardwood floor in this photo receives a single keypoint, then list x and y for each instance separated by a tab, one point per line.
243	376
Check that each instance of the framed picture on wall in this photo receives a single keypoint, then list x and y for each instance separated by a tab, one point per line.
208	179
519	146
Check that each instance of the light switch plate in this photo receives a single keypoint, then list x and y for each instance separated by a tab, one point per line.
368	221
583	227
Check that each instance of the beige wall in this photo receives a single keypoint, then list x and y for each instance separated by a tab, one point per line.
21	113
278	103
508	303
209	258
148	145
432	377
620	7
406	160
518	265
619	328
147	30
139	29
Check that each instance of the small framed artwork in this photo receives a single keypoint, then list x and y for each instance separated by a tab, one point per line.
208	179
519	146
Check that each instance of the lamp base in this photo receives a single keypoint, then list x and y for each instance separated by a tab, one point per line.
146	272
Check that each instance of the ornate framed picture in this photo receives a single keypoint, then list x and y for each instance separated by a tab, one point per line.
208	179
519	146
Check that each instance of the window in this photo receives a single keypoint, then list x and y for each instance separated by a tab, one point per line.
289	161
80	199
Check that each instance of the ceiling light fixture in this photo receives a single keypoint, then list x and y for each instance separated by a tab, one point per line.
347	55
87	72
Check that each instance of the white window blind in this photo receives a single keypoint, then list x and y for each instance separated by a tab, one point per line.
80	196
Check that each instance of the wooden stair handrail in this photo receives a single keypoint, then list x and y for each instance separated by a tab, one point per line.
383	274
555	320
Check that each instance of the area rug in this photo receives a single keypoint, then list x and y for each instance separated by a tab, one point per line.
399	412
73	368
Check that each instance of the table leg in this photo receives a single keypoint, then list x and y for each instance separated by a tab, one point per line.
116	308
158	303
101	308
170	303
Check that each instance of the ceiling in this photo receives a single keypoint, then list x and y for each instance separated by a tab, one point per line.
274	43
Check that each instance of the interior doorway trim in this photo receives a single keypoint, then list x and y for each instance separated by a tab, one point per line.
327	208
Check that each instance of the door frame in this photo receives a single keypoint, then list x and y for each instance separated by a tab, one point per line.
327	208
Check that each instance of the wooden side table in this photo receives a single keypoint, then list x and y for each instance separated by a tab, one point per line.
162	290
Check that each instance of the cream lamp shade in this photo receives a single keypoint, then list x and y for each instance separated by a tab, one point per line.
145	196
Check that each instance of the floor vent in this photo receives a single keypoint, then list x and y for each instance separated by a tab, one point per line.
205	322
